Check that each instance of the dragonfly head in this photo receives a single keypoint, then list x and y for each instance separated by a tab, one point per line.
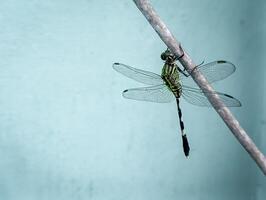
168	56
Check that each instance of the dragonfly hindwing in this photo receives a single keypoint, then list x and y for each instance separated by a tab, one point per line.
157	93
197	97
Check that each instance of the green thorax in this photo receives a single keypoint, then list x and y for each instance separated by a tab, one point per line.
170	75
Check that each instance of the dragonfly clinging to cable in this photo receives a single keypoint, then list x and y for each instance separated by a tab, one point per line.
167	87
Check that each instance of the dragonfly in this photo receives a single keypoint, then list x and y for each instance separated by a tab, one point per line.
168	86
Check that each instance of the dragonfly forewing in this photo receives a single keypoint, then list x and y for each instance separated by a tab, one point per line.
215	71
139	75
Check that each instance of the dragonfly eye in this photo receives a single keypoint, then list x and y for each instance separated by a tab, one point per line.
163	56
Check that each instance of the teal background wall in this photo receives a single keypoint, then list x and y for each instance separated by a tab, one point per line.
67	133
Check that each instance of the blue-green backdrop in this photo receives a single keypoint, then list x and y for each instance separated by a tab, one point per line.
67	133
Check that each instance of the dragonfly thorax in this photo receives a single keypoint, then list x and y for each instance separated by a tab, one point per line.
170	75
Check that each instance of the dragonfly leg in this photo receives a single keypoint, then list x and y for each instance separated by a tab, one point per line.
183	72
188	74
177	58
196	67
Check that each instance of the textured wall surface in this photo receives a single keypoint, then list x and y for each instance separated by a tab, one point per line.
67	133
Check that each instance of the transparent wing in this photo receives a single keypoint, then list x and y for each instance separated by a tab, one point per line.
196	96
157	93
139	75
215	71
